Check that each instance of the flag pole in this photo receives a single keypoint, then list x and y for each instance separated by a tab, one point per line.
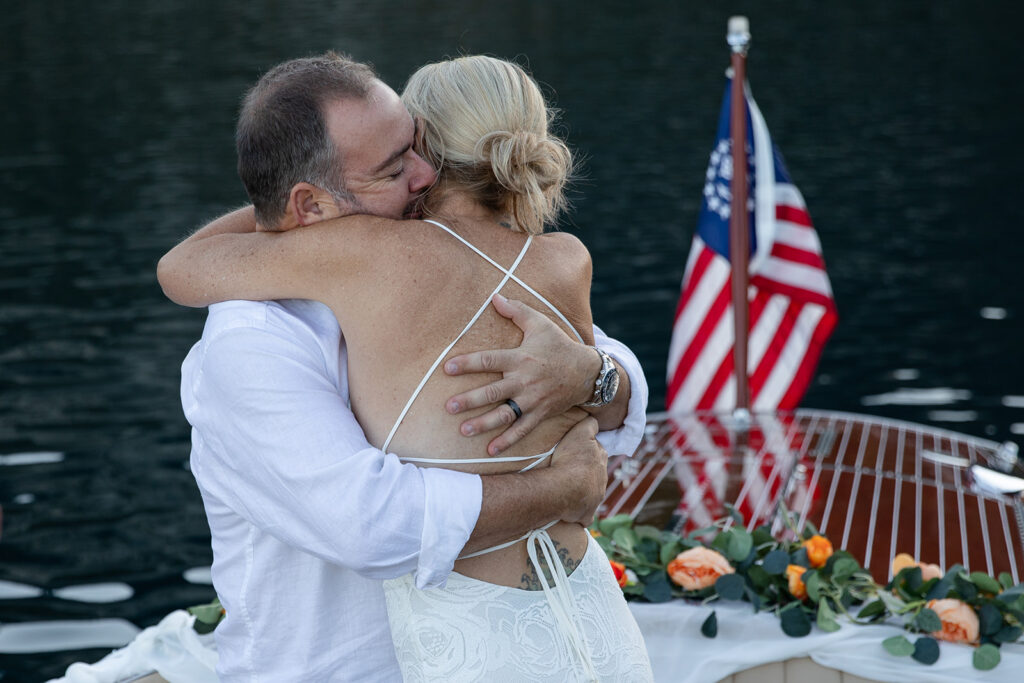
738	37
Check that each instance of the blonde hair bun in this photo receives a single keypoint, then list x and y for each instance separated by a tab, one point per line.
486	130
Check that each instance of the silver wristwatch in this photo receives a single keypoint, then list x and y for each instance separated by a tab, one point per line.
607	382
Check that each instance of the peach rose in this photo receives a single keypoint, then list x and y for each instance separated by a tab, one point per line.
795	573
698	568
619	570
819	549
928	571
959	621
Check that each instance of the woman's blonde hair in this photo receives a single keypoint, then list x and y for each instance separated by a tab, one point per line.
485	129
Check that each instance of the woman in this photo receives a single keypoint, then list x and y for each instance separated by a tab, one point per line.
409	294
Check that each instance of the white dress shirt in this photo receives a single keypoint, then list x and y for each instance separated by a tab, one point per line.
306	517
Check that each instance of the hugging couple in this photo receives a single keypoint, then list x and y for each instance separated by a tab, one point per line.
401	408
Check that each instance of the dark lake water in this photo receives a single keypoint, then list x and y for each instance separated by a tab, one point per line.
899	122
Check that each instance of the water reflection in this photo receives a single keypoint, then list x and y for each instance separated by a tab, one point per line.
116	147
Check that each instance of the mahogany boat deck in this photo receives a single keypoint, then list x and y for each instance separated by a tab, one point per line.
874	486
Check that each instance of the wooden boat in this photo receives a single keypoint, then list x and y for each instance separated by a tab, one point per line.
875	486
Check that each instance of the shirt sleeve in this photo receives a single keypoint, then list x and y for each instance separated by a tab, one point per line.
625	439
284	451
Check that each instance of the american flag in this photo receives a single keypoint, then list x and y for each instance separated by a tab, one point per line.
792	311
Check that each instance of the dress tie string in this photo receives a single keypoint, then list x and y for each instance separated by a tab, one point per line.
560	596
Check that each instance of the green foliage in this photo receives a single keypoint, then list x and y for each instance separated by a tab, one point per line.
986	657
926	650
709	629
207	616
835	591
898	646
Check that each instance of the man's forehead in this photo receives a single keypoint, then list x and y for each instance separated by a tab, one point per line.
372	131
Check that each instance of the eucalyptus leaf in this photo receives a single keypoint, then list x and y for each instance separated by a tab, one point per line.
799	557
941	588
927	621
986	657
985	582
775	562
794	622
872	609
967	590
1005	580
826	617
762	535
735	514
739	544
606	544
648	531
1008	634
812	582
892	603
898	646
657	587
758	576
669	551
844	568
730	587
910	577
990	619
608	525
625	538
709	629
753	597
926	650
649	550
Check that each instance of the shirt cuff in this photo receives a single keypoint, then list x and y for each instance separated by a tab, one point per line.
451	508
626	439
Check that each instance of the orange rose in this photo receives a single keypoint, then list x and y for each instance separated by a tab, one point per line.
819	549
959	621
698	568
928	571
795	573
619	570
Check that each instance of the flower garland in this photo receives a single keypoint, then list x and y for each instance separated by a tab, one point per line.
806	581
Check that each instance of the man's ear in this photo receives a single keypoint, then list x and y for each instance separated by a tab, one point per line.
308	204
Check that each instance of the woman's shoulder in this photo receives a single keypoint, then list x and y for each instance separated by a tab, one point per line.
568	249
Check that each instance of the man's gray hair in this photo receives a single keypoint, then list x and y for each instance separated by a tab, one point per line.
282	137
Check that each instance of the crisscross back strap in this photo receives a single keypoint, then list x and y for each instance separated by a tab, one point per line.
515	278
476	316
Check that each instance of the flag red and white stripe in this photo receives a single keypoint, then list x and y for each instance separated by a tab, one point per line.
792	311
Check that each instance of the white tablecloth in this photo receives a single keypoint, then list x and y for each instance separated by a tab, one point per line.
680	654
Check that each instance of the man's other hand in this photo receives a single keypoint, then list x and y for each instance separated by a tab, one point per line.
584	464
547	374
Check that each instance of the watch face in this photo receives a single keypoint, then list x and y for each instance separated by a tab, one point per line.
611	385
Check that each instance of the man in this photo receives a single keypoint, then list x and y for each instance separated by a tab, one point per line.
306	516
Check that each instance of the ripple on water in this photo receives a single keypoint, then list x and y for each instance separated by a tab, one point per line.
55	636
937	396
96	592
31	458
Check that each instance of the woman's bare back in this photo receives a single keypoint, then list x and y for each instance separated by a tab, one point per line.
417	290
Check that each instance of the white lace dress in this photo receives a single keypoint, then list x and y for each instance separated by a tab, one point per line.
471	630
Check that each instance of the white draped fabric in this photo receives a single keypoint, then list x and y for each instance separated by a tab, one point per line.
679	653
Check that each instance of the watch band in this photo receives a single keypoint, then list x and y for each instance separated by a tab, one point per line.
607	367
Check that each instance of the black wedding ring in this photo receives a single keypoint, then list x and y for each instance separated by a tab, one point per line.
515	408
